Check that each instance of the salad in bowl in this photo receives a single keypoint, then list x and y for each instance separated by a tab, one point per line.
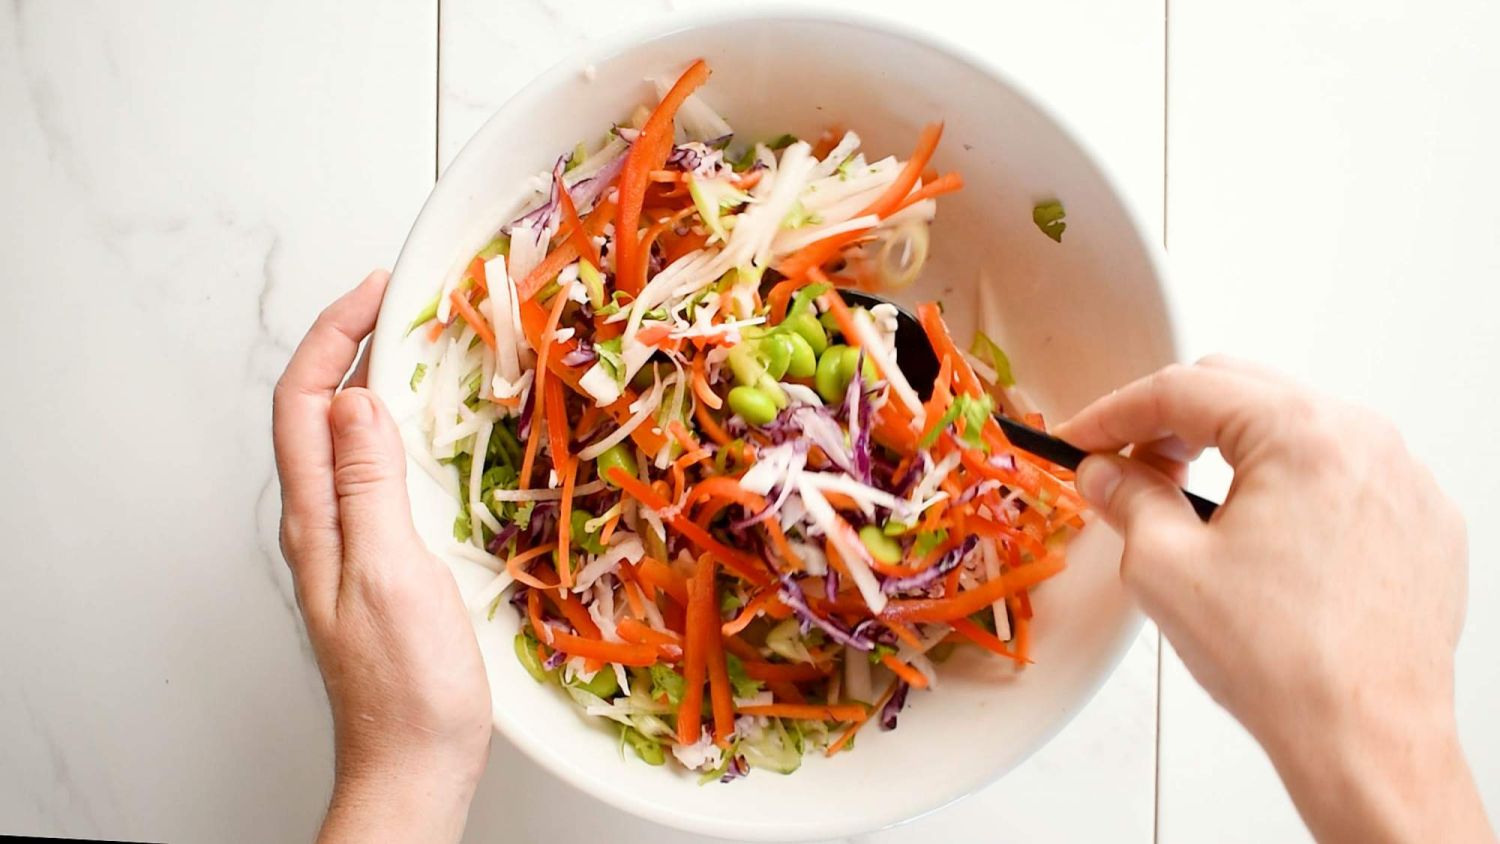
728	526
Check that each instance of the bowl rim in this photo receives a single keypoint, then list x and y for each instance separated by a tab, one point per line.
640	36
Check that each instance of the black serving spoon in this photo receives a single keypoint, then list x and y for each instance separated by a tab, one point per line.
920	366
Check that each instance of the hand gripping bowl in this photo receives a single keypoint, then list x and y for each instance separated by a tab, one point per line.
1078	318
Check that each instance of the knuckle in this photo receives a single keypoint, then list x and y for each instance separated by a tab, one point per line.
361	470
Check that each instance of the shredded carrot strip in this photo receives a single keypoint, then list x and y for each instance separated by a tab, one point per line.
649	152
835	304
967	603
587	419
659	575
931	189
565	253
888	201
633	596
680	433
799	672
557	423
982	637
1021	629
706	421
515	567
695	658
701	389
755	607
582	244
848	734
632	630
741	563
544	348
912	676
475	270
727	488
718	669
472	317
565	521
783	547
597	649
780	297
810	712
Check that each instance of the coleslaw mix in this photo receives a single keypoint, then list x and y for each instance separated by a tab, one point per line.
727	521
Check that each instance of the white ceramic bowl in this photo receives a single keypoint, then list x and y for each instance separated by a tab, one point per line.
1078	319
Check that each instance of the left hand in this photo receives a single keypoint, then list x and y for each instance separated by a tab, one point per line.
410	701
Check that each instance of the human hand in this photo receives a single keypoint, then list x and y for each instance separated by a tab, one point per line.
1323	602
410	701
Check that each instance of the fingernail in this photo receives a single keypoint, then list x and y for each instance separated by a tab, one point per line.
351	411
1097	479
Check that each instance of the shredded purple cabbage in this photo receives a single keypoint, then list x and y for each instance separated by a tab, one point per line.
518	597
737	768
859	418
976	490
543	216
523	425
1005	462
503	538
685	157
587	193
928	576
831	584
582	354
555	660
894	706
696	158
792	596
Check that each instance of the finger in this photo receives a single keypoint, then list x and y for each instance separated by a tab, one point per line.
303	445
1136	499
1169	456
1201	406
370	480
1244	367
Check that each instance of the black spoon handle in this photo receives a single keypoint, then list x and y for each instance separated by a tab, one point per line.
1065	454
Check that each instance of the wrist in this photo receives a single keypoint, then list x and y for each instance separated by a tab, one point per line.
1380	771
413	797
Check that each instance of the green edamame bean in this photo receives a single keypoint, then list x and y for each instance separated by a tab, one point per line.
806	326
849	360
880	546
830	322
747	370
616	456
604	684
753	405
829	378
803	362
526	654
649	751
776	351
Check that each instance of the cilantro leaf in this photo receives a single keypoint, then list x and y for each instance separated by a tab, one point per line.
665	681
743	685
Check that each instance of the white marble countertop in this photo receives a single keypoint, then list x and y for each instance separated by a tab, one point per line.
185	184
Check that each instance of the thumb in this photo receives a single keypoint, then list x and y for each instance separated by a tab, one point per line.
1132	496
369	473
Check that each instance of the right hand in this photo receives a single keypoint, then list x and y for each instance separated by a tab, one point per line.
1323	602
